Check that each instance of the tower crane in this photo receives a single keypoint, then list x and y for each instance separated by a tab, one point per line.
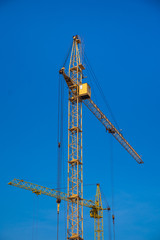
96	207
79	93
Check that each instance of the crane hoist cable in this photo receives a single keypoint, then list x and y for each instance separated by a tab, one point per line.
111	154
33	224
35	218
113	217
60	136
67	56
109	215
58	202
100	89
60	130
89	77
60	144
112	184
60	124
109	225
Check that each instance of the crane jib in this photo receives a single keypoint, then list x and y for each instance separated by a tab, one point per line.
111	129
105	121
38	189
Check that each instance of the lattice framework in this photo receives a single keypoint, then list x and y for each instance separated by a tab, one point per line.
75	164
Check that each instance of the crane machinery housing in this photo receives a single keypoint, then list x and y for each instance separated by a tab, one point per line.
79	93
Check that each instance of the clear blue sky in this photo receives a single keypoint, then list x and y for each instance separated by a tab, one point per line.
122	41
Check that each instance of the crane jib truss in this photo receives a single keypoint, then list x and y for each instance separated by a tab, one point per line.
106	122
38	189
111	129
96	208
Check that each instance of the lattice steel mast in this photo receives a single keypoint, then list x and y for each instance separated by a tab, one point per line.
97	214
75	163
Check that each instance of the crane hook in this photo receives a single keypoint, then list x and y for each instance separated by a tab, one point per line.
58	201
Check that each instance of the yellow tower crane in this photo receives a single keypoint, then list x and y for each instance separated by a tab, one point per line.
79	93
96	207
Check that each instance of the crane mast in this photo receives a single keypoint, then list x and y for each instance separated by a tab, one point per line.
97	214
75	161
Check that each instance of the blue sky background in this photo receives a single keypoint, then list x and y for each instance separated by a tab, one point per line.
122	42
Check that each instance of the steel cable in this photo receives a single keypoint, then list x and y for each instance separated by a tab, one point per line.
112	184
67	55
59	143
100	89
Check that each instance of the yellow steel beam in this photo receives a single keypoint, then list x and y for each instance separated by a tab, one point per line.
111	129
107	123
38	189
